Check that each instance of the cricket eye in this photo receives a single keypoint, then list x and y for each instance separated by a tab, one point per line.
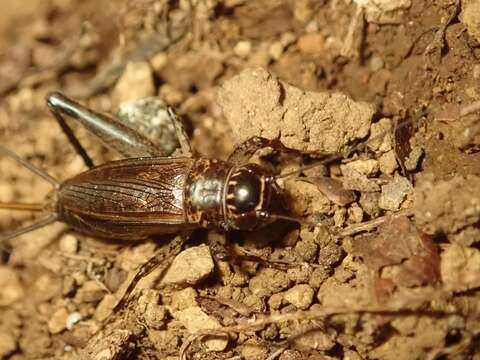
245	191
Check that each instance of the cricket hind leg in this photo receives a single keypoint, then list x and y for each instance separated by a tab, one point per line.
110	131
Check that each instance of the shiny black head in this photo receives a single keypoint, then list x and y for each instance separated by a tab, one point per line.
248	195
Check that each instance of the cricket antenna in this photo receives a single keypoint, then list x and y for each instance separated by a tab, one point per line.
30	167
22	206
44	221
274	217
335	157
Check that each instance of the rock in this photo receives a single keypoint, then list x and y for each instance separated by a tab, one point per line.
388	162
306	250
369	204
275	301
68	244
255	303
12	290
316	339
136	82
469	17
447	206
411	162
150	117
330	255
164	341
73	319
58	321
8	344
375	63
268	281
394	193
149	309
459	268
159	61
300	296
353	180
384	11
190	266
194	319
256	103
365	167
252	350
184	298
319	275
276	50
288	39
355	214
380	138
243	48
90	292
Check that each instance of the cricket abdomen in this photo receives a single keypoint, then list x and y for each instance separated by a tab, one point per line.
130	199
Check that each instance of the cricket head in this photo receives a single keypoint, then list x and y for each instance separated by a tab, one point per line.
248	197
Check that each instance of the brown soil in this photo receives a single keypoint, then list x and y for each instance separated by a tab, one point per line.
391	268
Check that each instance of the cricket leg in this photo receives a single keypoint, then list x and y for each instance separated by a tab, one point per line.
181	133
110	131
162	258
244	151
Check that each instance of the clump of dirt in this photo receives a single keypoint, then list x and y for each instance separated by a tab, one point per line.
377	105
255	103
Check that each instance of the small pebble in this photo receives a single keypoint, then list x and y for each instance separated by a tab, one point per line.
12	290
287	39
388	162
190	266
275	301
319	275
376	63
159	61
184	298
171	95
252	350
306	250
194	319
365	167
268	281
312	26
136	82
58	321
355	214
276	50
90	292
339	217
394	193
151	118
300	296
243	48
411	162
68	244
149	310
73	319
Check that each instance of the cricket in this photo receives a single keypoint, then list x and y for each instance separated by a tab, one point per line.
232	179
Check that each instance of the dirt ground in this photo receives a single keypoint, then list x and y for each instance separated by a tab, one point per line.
385	260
